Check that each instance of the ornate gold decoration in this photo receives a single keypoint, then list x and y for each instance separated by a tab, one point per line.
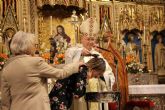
33	13
9	21
136	16
62	2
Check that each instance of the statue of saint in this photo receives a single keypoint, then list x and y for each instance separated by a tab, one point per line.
131	47
159	53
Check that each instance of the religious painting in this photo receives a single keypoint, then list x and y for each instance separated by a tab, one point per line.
59	42
56	36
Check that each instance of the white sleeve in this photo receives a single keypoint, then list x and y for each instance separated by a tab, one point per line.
109	76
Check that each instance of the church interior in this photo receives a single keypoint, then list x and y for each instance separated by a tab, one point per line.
131	38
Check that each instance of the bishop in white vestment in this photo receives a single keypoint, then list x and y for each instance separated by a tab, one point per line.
89	29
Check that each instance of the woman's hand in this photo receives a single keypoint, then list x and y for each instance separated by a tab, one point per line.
81	63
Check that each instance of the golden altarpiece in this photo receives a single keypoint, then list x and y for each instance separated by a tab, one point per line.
145	15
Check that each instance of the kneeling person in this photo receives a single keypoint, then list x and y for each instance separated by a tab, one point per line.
65	90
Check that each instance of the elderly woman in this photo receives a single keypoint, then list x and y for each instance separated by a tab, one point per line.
24	77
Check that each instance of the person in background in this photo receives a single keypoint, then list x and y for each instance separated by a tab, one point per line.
89	29
24	77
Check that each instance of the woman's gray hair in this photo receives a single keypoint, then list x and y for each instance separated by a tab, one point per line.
23	43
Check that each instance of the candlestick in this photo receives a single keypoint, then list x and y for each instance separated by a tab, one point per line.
50	25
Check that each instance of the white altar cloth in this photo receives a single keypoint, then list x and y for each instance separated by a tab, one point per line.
147	89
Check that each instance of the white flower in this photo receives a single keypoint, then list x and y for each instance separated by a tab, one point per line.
2	63
140	70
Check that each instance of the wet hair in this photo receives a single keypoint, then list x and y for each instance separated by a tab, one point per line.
97	64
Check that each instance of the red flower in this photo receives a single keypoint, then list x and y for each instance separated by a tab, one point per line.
151	103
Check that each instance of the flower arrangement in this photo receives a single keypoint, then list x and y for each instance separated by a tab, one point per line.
133	66
3	59
59	58
46	56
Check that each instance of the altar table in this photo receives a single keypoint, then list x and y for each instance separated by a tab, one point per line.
155	93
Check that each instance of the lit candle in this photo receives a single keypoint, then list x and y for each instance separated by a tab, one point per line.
24	24
50	25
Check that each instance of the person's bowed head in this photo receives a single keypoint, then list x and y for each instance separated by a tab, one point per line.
96	67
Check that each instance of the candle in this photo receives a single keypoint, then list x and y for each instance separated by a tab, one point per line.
24	24
146	39
158	14
144	35
50	25
51	2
